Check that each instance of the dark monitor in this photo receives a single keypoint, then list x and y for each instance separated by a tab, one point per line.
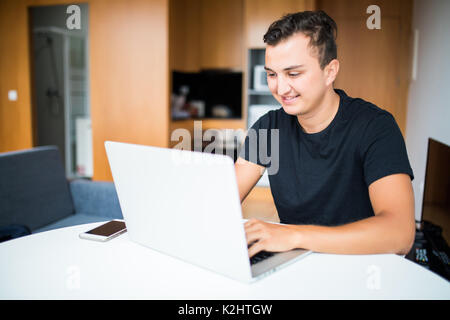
436	195
213	87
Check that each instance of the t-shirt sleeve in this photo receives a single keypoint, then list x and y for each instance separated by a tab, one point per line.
253	149
383	149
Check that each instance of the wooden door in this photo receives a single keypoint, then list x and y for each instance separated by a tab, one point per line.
374	64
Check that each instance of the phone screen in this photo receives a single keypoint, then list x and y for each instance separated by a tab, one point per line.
108	229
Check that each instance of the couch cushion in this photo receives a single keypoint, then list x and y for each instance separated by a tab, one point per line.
96	198
33	188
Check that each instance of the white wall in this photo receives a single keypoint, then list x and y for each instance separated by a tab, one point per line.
429	95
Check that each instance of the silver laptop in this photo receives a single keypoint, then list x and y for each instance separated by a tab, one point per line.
186	204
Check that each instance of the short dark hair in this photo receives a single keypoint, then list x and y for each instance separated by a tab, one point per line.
317	25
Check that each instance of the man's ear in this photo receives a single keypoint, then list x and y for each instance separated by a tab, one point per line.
331	71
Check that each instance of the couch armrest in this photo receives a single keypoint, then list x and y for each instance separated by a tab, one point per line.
95	198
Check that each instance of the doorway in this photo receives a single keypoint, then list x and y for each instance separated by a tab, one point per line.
59	63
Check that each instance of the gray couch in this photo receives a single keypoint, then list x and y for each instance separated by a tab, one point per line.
35	193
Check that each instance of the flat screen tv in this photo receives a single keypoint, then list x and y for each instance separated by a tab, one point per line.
214	88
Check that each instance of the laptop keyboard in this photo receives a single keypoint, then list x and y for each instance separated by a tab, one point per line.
260	256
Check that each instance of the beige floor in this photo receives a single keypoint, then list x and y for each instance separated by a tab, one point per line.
259	204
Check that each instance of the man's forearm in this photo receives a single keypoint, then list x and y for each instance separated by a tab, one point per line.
377	234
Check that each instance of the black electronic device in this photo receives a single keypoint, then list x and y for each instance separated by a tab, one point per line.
217	89
106	231
430	247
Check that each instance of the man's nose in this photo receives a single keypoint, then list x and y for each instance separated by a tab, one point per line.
283	86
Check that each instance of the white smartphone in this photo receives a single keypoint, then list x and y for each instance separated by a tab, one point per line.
105	232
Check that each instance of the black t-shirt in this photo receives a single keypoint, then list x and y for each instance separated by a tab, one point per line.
323	178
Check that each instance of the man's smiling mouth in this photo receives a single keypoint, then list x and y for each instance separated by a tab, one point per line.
289	98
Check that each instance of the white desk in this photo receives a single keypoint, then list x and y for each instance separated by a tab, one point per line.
59	265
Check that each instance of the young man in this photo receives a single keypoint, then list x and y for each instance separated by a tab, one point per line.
343	183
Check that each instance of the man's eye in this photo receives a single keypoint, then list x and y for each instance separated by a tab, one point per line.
271	75
294	74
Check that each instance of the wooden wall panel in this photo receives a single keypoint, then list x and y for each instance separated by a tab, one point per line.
184	35
259	14
222	34
206	34
15	116
374	64
129	75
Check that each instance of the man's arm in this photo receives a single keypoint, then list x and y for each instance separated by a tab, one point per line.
391	230
247	175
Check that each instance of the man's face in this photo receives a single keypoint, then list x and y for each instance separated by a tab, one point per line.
294	75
